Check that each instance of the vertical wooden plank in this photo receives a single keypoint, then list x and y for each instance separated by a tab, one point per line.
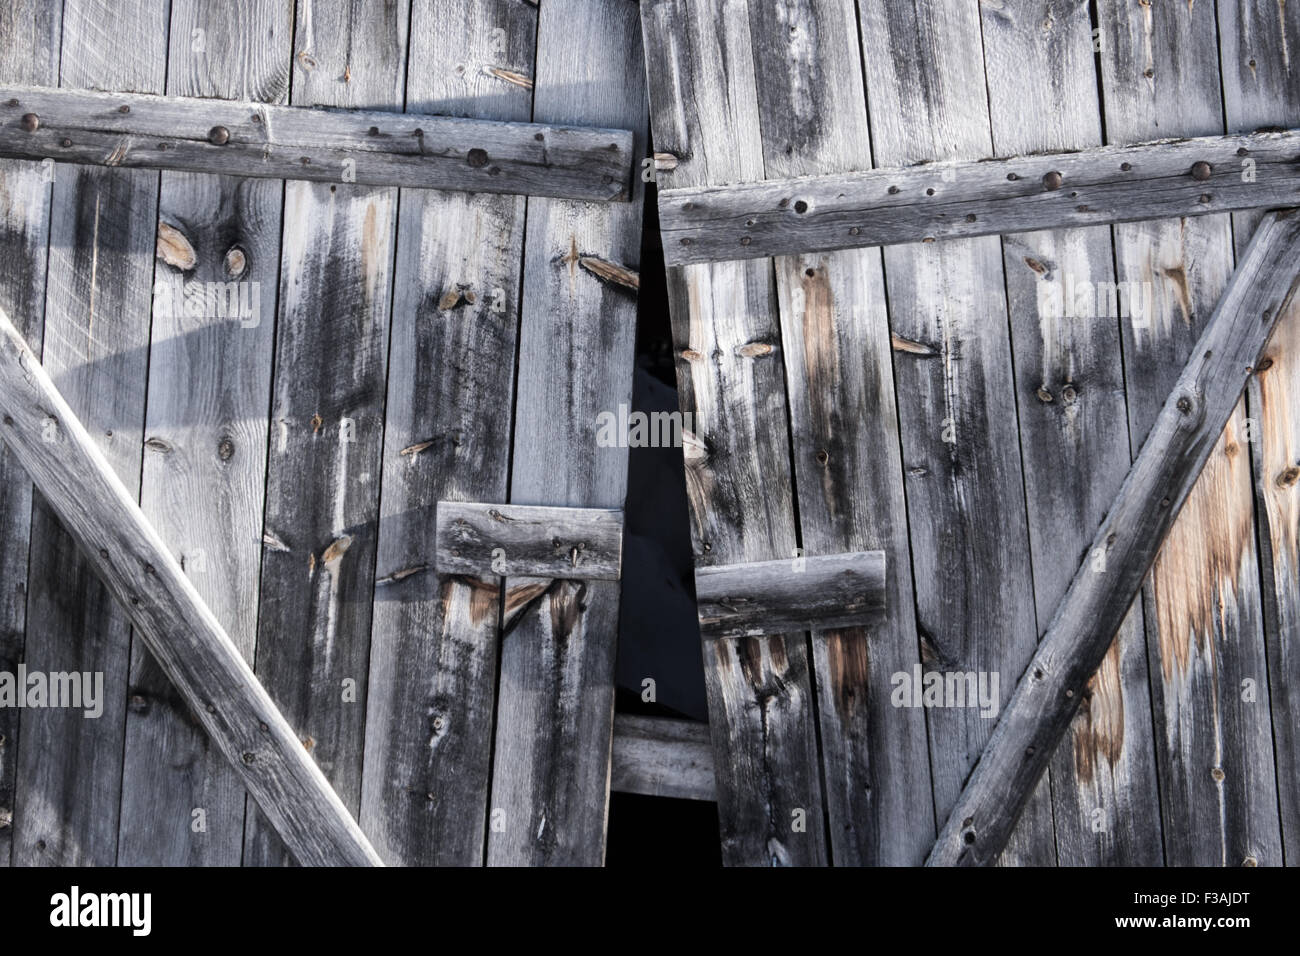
844	426
29	53
957	409
1261	87
96	344
1160	73
555	711
1073	425
327	410
704	112
447	436
206	430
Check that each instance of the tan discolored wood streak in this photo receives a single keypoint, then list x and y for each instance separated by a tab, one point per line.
1098	729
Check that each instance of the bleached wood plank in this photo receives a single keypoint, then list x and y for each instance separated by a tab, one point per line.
81	486
1182	439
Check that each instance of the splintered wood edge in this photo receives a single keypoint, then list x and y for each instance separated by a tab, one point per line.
475	538
814	593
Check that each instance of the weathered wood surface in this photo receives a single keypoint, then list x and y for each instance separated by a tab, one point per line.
519	541
956	398
365	147
29	52
946	200
433	662
555	710
1261	85
102	229
704	110
821	592
1204	622
660	757
844	431
80	485
327	411
1181	441
202	487
1070	387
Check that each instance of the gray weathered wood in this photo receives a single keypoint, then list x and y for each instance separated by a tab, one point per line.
327	412
551	765
80	485
1180	442
946	200
954	379
844	431
1261	78
1073	434
433	663
206	435
583	543
29	52
821	592
726	329
365	147
1202	607
660	757
96	342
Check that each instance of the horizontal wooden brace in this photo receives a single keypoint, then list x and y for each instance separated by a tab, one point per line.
922	203
180	631
1265	287
661	757
529	541
791	594
368	147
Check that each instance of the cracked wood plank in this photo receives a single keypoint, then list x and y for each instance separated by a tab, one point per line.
327	412
96	345
1163	478
551	769
1261	86
928	200
516	541
455	330
957	409
138	571
29	53
206	436
1073	434
1201	603
726	333
366	147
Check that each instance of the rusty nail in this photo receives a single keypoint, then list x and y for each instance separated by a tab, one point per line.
31	122
1052	180
1201	170
218	136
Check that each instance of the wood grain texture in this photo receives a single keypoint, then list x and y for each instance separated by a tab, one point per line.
982	197
95	348
1073	426
1261	86
844	430
29	52
289	142
726	335
1181	441
956	394
327	411
517	541
433	663
823	592
550	783
661	757
96	508
202	485
1204	625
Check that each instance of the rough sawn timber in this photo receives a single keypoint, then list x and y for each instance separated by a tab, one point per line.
522	541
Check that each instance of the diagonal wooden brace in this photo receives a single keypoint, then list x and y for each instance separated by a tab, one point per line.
178	628
791	594
1262	290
